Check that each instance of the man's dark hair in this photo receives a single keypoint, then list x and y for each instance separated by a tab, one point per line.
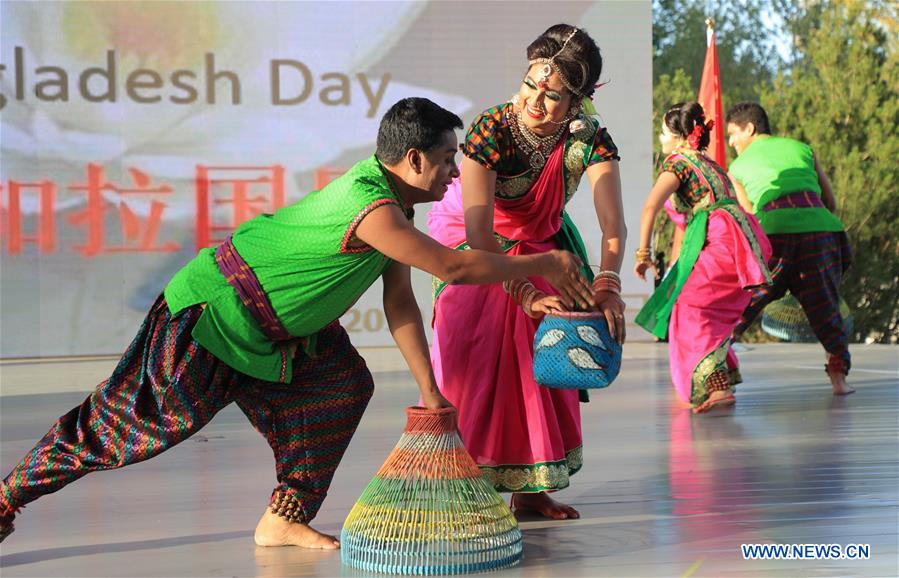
745	112
413	123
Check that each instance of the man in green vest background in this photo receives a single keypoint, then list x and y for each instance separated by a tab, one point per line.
255	321
782	183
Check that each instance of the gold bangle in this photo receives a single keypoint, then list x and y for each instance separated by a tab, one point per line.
644	255
608	274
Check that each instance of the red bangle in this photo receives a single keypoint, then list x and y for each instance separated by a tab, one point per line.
607	285
606	281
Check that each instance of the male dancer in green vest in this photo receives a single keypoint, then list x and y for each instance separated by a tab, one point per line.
254	321
780	180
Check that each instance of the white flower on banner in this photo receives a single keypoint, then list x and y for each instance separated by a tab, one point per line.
322	56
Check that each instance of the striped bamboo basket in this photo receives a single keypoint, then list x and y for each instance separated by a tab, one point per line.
785	319
429	510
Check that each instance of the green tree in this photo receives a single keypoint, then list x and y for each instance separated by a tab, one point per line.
745	40
835	87
841	95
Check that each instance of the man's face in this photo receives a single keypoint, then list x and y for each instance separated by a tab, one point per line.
738	137
439	167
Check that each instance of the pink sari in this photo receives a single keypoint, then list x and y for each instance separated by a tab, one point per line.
732	262
525	437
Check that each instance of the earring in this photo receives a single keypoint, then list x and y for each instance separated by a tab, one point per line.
574	110
576	124
515	99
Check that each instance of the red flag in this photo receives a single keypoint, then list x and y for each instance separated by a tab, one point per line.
710	99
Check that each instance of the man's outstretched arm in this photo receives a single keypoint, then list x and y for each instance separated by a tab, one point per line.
406	327
387	230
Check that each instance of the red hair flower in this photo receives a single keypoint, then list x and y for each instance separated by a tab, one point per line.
696	136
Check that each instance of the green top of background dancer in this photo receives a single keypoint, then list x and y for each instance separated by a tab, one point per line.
315	258
769	168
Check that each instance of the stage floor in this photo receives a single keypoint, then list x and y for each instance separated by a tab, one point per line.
662	492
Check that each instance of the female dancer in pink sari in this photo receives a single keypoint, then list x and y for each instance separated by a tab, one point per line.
523	161
723	255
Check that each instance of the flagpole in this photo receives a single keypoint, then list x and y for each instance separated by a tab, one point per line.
710	96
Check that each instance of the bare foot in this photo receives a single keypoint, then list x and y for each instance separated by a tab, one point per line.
838	381
273	530
544	505
719	399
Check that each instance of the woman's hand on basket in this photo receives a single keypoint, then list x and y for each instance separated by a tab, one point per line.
544	304
611	305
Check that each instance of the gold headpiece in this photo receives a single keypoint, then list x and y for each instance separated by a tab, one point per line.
549	65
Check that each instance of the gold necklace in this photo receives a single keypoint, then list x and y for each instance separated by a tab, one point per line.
536	148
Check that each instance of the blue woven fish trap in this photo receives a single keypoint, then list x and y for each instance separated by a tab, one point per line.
429	510
574	350
786	320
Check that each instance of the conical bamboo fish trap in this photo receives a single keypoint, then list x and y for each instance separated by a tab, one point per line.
428	510
785	319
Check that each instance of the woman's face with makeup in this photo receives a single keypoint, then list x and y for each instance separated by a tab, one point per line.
543	99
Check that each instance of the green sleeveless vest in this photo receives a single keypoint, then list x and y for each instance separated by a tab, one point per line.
302	259
773	167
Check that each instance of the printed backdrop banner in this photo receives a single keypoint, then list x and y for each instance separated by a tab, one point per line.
134	133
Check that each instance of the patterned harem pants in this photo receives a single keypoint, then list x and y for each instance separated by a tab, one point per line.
167	386
811	266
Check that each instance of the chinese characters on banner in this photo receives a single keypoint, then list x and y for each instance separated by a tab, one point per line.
226	196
